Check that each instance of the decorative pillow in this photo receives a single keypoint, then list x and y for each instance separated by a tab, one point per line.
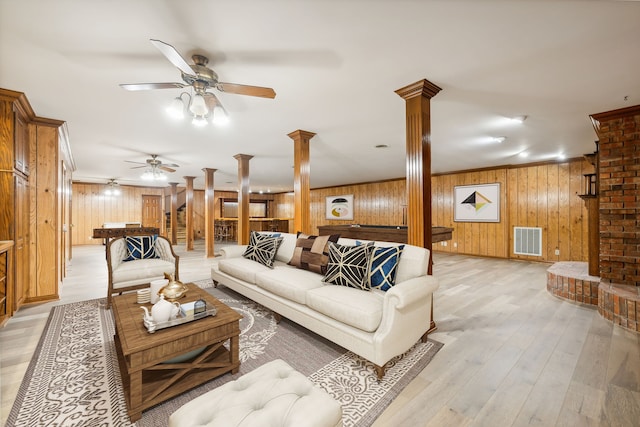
262	248
348	265
141	247
312	252
383	265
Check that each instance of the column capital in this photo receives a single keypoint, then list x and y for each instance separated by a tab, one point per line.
243	157
301	134
211	170
420	88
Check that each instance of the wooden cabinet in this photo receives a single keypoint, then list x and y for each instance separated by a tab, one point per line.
15	114
35	174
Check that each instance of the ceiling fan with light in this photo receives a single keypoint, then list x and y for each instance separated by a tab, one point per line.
154	168
202	103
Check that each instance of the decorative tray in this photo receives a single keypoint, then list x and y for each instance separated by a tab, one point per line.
183	317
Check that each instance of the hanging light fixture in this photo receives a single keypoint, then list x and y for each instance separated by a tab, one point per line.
197	106
153	174
112	188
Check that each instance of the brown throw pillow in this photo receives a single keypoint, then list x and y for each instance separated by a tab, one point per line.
312	252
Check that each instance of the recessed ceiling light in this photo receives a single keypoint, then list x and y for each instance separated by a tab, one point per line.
499	138
518	119
561	156
382	146
523	154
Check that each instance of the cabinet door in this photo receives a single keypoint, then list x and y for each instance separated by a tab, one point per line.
21	241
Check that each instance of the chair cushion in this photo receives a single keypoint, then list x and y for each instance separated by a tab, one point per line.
262	248
141	271
354	307
141	247
348	265
312	252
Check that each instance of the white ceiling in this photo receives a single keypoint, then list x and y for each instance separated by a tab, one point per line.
334	65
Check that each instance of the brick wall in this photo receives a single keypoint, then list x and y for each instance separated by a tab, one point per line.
619	195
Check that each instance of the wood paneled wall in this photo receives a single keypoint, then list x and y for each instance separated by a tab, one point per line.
544	196
540	195
380	203
91	208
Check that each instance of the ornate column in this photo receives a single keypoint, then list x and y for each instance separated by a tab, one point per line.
209	213
189	212
243	198
418	111
173	218
301	173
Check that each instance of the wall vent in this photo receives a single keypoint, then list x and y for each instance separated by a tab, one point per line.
527	241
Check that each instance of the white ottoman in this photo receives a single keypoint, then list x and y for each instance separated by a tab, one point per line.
272	395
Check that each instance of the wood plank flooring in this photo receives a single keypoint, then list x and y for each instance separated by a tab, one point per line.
514	355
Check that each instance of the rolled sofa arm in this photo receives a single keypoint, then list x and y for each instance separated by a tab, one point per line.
233	251
411	290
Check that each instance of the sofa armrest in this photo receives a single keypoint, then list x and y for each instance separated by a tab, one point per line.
405	293
233	251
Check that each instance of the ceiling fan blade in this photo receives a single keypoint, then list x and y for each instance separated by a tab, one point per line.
211	100
138	167
151	86
171	165
172	55
164	168
137	163
263	92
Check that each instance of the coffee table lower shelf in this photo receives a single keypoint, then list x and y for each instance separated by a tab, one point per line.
161	382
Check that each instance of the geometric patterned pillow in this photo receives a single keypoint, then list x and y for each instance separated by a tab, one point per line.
312	252
262	248
348	265
383	265
141	247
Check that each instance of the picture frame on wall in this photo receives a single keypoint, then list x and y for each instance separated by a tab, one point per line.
477	203
339	207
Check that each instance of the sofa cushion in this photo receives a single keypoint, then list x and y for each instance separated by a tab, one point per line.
262	248
360	309
242	268
312	252
290	283
141	247
141	271
383	265
348	265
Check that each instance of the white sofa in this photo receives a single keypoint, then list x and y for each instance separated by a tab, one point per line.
138	274
375	325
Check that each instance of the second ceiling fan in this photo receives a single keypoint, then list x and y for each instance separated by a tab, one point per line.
201	79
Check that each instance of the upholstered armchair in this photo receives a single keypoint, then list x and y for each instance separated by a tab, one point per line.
134	261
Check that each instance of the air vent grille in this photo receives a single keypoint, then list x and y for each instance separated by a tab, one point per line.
527	241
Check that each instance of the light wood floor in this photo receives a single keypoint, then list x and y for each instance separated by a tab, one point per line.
513	354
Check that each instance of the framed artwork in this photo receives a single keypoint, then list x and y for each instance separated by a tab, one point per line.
339	207
476	203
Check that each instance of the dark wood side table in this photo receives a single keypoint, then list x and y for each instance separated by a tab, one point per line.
146	380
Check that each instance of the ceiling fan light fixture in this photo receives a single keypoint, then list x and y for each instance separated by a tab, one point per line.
220	116
198	105
176	108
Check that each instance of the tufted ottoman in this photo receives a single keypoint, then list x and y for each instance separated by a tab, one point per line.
272	395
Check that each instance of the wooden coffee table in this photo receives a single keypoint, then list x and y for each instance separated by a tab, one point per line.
147	381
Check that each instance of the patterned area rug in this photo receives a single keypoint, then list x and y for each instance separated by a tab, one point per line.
73	378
